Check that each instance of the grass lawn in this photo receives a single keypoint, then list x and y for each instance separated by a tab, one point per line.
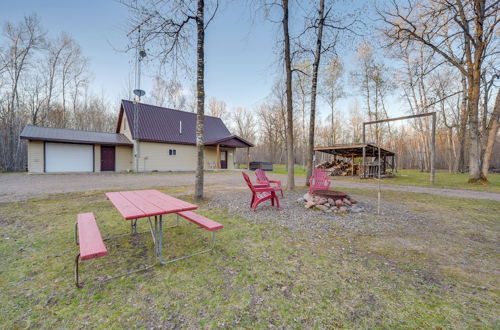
417	178
443	275
281	169
443	180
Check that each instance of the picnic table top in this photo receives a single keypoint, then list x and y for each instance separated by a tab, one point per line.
137	204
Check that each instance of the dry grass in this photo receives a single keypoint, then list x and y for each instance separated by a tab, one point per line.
441	274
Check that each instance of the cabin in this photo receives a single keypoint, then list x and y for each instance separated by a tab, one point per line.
147	138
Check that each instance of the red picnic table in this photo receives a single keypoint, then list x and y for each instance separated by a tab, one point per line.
137	204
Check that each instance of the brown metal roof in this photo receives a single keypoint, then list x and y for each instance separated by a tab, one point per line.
354	150
231	141
38	133
158	124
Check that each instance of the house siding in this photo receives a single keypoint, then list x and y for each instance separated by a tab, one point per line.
97	158
123	159
211	157
35	157
124	127
155	157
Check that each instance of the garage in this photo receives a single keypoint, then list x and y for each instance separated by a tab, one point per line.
59	150
69	157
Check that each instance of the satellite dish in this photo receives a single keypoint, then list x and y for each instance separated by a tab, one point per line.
139	92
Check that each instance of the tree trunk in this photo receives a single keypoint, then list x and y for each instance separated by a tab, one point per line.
314	83
462	128
289	100
200	100
492	130
474	67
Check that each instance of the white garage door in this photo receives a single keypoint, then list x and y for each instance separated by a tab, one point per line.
68	157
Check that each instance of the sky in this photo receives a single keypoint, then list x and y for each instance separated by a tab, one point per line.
241	61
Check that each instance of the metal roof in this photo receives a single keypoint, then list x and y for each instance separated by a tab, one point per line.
158	124
354	150
231	141
38	133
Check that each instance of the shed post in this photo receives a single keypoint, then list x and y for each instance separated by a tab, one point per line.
248	158
217	157
352	165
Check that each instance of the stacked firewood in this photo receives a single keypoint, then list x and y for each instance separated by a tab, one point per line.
339	167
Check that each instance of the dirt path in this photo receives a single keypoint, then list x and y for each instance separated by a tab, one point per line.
20	186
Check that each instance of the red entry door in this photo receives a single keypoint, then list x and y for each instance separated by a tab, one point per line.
107	158
223	159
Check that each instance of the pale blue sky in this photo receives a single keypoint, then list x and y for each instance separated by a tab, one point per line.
241	63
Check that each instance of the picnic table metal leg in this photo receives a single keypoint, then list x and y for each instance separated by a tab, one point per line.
156	239
76	233
77	282
153	233
133	226
160	245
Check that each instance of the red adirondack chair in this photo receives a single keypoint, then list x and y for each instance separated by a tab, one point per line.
262	179
319	180
261	193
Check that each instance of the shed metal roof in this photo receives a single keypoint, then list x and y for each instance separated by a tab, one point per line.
354	150
38	133
159	124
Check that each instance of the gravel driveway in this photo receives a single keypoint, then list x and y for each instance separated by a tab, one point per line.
20	186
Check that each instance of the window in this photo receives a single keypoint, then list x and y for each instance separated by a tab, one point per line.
171	152
124	124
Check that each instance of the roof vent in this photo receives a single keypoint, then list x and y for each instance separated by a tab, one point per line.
180	127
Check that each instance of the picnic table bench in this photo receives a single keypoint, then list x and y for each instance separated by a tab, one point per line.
134	205
88	237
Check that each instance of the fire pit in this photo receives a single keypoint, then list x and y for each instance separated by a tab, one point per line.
330	201
333	194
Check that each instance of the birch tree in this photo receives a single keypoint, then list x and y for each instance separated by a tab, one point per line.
171	27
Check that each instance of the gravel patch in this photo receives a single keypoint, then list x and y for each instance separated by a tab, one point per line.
21	186
293	215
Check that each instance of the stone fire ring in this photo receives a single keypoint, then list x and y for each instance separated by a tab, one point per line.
333	194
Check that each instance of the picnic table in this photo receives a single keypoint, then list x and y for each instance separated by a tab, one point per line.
139	204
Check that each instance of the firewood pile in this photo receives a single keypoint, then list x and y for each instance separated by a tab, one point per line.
339	167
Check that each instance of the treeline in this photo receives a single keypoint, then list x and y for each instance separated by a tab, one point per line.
432	55
43	81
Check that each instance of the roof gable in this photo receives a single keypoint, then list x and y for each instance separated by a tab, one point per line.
158	124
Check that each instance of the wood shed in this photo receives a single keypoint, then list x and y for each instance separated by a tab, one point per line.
357	159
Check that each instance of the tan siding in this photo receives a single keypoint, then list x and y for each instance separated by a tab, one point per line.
35	157
97	158
124	127
211	157
123	158
155	157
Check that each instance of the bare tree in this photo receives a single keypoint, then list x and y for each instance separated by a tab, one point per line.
469	28
168	93
492	129
22	40
54	49
289	97
217	108
71	62
302	94
333	90
168	24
